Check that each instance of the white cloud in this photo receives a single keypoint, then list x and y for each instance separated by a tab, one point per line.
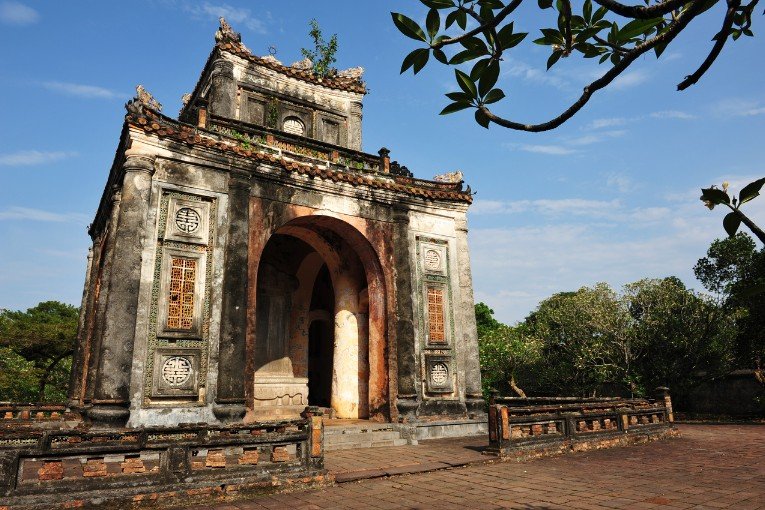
28	214
29	158
672	114
629	79
553	150
519	69
236	16
738	107
548	207
620	182
595	137
608	122
15	13
80	90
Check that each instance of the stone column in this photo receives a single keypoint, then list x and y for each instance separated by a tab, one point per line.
111	397
407	370
223	90
75	378
466	315
345	363
354	128
230	396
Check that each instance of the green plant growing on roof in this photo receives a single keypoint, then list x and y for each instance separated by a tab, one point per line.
323	55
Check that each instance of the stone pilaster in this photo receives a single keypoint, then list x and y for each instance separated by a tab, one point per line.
466	315
223	90
407	400
354	129
230	396
112	382
75	378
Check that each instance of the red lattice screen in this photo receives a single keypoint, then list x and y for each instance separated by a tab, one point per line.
180	313
437	332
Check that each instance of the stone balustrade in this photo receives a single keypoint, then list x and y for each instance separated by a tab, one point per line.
38	466
517	424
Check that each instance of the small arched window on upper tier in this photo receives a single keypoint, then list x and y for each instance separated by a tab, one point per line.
294	126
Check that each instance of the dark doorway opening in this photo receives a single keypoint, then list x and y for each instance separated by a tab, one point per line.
321	341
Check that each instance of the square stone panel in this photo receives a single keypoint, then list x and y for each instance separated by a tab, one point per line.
176	372
439	374
188	221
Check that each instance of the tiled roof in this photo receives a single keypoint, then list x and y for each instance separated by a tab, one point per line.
152	122
333	82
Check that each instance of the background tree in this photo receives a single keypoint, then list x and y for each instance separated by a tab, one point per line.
34	344
615	33
686	338
734	269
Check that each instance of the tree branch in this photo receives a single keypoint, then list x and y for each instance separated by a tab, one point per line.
613	46
639	11
720	39
682	21
567	16
752	226
509	8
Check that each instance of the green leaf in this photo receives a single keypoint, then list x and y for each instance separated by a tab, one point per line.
556	55
451	18
464	56
440	56
511	40
408	27
466	84
455	107
433	22
714	195
481	118
545	4
475	44
413	59
479	68
488	79
493	96
459	97
731	223
462	19
587	11
492	4
637	27
552	35
420	60
438	4
599	14
750	191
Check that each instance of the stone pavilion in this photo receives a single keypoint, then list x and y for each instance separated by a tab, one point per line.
249	260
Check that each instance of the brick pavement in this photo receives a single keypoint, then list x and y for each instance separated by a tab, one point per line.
708	467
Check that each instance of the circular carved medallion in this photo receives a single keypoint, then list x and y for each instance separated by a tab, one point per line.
187	220
439	374
176	370
432	260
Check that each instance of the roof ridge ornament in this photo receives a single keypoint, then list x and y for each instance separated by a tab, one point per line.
143	99
226	33
450	177
353	73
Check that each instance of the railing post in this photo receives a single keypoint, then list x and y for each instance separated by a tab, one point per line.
662	393
315	454
384	160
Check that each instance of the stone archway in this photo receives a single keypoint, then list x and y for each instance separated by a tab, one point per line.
319	276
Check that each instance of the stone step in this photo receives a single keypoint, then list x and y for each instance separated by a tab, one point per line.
338	438
363	436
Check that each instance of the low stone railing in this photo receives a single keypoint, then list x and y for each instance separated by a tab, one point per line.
39	466
13	413
522	423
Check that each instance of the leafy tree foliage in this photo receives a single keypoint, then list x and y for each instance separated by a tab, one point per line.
736	270
614	33
593	341
323	55
35	345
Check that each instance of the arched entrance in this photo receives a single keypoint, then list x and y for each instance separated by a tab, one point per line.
319	323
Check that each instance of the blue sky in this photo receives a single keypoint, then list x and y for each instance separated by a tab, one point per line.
612	195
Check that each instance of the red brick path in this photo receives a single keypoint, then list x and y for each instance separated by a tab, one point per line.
708	467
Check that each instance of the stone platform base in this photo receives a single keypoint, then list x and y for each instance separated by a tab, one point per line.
442	429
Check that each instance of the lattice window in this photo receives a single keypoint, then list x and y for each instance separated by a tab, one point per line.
294	126
180	310
436	329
